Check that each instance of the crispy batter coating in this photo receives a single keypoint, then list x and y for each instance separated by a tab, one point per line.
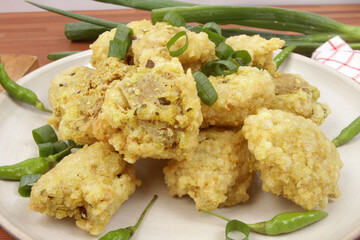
89	185
294	94
294	157
239	95
260	49
153	112
216	174
63	87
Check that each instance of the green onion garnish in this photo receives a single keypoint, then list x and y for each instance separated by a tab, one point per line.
44	134
26	183
279	59
238	226
46	149
214	37
121	43
220	67
242	57
173	40
212	26
206	91
224	51
174	19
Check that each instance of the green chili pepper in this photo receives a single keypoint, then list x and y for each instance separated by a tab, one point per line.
281	223
279	59
287	222
348	133
127	233
39	165
18	92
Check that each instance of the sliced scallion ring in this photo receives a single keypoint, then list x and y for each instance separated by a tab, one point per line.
220	68
242	57
206	91
44	134
224	51
174	19
214	37
121	43
235	225
26	183
213	26
173	40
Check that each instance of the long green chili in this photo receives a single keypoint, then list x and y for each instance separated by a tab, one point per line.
282	223
127	233
348	133
280	58
18	92
38	165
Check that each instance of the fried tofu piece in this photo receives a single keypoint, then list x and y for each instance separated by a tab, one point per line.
294	94
151	40
260	49
89	186
153	112
64	86
295	158
218	173
239	95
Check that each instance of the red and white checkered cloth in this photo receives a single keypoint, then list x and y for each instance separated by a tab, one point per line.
337	54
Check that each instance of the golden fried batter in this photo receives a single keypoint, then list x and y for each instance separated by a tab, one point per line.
239	95
216	174
295	159
260	49
89	185
294	94
153	112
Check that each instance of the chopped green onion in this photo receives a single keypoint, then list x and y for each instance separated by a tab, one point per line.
174	19
121	43
44	134
212	26
26	183
46	149
242	57
58	55
60	146
236	225
279	59
224	51
206	91
220	67
214	37
173	40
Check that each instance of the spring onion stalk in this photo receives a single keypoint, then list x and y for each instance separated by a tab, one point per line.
93	20
147	4
58	55
272	15
82	31
280	58
173	40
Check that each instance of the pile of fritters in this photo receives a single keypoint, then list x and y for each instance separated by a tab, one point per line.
147	106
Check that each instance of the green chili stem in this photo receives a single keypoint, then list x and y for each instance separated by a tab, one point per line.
280	58
215	214
18	92
348	133
136	226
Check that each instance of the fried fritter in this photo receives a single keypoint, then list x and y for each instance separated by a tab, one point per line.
153	112
216	174
239	95
89	185
260	49
295	158
294	94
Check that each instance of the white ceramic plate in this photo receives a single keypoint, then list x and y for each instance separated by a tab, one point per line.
176	218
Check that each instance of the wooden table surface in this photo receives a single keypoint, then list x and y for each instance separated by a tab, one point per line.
39	33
